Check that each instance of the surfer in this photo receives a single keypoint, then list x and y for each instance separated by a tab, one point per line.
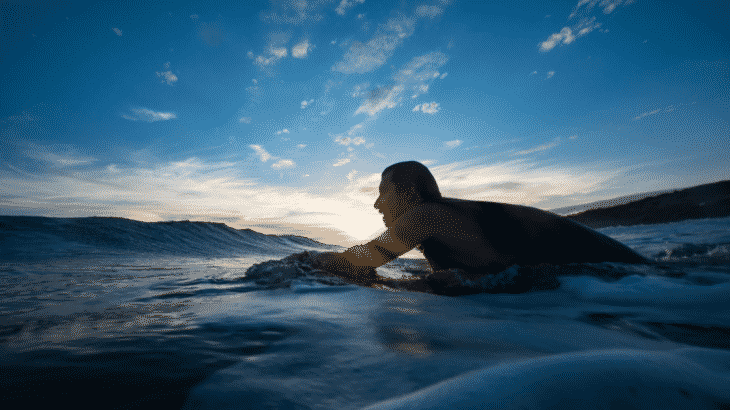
474	236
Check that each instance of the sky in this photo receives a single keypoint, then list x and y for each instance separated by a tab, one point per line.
279	116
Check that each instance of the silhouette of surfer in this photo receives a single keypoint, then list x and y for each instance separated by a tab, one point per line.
476	237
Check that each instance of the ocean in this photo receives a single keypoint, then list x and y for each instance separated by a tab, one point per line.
114	313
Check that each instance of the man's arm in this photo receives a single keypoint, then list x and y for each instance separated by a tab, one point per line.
410	230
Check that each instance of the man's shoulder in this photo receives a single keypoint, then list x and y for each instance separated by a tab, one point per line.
445	209
451	204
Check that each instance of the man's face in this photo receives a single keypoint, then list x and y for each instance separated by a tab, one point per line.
389	203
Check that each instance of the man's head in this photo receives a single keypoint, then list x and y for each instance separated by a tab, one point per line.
403	186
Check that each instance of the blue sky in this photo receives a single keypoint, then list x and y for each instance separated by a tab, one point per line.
280	115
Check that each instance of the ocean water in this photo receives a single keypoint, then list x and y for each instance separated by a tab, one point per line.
112	313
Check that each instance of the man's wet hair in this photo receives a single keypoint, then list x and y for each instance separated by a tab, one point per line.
409	174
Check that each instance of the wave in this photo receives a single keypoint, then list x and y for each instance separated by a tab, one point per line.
31	237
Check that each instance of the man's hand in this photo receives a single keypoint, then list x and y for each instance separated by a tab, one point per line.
336	262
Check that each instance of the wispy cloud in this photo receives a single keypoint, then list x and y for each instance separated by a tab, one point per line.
521	181
453	144
431	108
348	141
261	152
550	74
296	12
341	162
117	31
284	131
380	99
415	76
349	137
585	6
568	34
428	11
668	108
62	156
147	115
646	114
283	163
273	55
564	36
345	5
540	148
245	120
301	50
305	103
363	58
167	76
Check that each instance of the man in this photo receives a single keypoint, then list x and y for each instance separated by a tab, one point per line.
477	237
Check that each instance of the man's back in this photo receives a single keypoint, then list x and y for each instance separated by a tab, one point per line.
483	237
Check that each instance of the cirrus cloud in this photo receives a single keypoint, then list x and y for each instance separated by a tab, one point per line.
147	115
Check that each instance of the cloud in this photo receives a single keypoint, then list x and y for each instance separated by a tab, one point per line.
346	138
607	5
415	76
346	5
550	74
245	120
443	75
646	114
300	50
363	58
428	11
382	98
305	103
347	141
351	175
296	12
279	52
284	131
274	55
147	115
565	36
194	16
568	34
283	163
453	144
540	148
300	146
431	108
668	108
341	162
525	182
116	30
68	157
261	152
168	76
429	162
